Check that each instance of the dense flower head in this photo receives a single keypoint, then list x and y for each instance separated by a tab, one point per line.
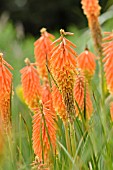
42	51
62	67
44	125
108	59
63	54
82	95
65	82
91	7
86	61
5	76
5	92
30	84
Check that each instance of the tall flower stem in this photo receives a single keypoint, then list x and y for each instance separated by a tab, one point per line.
97	38
70	137
68	144
73	142
92	11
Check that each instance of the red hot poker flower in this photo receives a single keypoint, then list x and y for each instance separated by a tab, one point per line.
108	60
42	49
91	7
81	86
31	84
86	61
63	54
44	125
62	66
5	92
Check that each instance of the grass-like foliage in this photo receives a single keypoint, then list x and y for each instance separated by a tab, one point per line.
56	110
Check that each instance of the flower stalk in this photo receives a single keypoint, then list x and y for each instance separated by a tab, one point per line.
92	11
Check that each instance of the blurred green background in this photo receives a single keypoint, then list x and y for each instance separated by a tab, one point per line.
53	14
20	23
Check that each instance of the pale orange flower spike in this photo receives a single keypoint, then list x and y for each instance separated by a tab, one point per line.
31	84
58	103
5	93
42	51
44	125
86	61
111	110
108	60
63	54
91	7
62	66
80	91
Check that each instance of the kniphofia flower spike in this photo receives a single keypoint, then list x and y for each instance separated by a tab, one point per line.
82	95
42	51
86	61
62	66
108	60
30	84
5	93
44	128
91	9
63	54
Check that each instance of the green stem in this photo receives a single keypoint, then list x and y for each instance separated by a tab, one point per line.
68	144
73	142
97	38
20	132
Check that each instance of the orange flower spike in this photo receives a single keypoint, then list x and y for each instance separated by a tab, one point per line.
42	49
63	54
79	90
62	66
91	9
46	127
31	84
108	60
5	75
86	61
5	93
